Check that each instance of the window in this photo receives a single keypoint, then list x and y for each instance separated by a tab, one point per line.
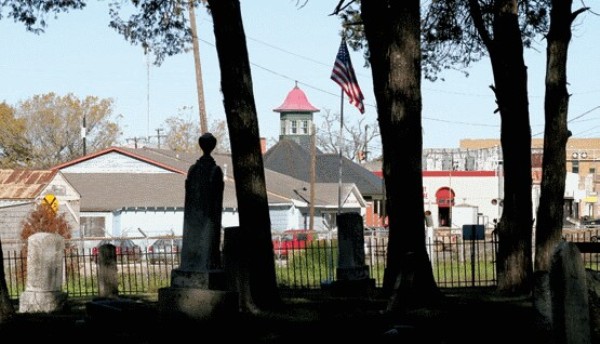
575	168
93	226
294	127
304	129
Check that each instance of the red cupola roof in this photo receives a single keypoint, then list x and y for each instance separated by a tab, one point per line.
296	101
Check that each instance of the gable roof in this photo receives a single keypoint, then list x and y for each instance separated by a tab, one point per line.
152	158
104	190
290	158
24	184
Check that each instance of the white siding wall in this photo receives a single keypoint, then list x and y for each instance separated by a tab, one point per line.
113	163
475	191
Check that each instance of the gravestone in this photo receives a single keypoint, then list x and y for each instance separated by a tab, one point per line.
43	289
108	279
352	274
429	240
109	309
570	313
198	286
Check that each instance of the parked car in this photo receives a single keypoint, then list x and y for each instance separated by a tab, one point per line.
292	240
126	250
165	250
591	223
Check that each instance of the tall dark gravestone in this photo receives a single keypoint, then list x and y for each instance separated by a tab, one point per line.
198	286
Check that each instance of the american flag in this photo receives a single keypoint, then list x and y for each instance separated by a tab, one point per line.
343	75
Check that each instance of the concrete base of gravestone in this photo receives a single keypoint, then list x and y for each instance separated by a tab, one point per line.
212	280
193	304
352	281
42	301
352	273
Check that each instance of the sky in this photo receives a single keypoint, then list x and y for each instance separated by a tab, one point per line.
78	53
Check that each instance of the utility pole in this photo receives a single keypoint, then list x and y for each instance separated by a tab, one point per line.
158	136
83	134
313	177
365	147
199	85
135	140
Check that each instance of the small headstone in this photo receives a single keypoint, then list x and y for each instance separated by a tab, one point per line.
429	241
43	289
108	275
352	272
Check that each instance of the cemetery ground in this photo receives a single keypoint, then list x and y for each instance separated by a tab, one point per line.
469	315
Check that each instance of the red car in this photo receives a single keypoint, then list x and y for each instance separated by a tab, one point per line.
291	240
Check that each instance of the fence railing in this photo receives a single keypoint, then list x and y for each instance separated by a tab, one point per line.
455	263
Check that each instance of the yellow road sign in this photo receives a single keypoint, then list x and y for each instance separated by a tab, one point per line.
51	200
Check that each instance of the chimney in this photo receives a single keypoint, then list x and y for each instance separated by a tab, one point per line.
263	145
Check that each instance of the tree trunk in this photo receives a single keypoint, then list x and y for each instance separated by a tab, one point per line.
392	29
515	268
248	169
556	104
7	311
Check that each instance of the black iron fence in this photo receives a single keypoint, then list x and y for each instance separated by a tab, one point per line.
455	263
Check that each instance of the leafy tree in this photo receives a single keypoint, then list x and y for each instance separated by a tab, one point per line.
182	135
161	27
549	221
46	129
393	35
356	137
248	168
462	32
44	219
14	147
32	14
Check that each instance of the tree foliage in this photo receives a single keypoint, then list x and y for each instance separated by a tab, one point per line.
458	33
32	13
13	143
449	35
161	27
182	135
45	130
44	219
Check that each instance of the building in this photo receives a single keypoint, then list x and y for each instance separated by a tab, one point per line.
583	163
294	156
22	190
141	192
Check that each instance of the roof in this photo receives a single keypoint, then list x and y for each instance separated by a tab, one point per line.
151	157
109	191
296	101
289	158
24	184
113	191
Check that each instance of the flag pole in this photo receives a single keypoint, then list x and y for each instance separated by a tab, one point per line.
341	147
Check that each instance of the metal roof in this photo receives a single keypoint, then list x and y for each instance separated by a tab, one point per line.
296	101
24	184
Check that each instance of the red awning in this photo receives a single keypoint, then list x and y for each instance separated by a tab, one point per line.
445	197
